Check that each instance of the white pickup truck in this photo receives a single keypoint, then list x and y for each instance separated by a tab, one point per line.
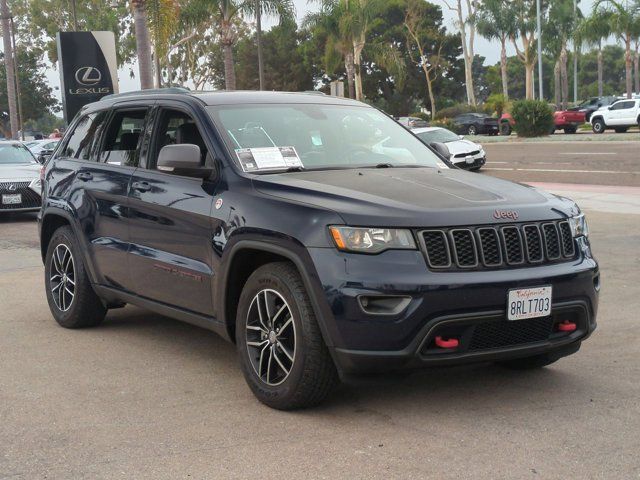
620	116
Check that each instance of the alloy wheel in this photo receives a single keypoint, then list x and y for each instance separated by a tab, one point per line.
271	337
62	281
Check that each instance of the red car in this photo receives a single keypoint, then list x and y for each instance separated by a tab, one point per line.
566	120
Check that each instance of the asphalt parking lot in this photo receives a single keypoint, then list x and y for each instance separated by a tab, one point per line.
143	396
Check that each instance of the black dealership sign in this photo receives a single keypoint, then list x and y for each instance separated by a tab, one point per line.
88	68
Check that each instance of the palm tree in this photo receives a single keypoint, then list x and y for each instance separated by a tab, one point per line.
593	31
280	9
355	19
624	21
560	28
10	68
332	25
143	43
162	16
496	21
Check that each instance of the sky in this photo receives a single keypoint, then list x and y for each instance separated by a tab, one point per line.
483	47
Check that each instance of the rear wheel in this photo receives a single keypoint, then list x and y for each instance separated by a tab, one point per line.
598	126
472	130
282	353
505	129
71	298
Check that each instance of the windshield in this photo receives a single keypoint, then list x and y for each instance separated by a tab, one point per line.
312	136
13	153
441	135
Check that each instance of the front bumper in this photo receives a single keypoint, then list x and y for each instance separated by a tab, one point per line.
477	161
445	303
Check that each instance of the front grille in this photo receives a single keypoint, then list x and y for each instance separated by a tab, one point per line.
469	154
503	333
30	199
490	247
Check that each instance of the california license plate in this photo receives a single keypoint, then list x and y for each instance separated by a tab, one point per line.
525	303
12	199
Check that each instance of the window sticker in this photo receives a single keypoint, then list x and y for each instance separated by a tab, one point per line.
268	158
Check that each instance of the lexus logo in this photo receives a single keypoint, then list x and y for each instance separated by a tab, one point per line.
12	187
88	76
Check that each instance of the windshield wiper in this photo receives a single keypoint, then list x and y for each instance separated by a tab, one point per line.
384	165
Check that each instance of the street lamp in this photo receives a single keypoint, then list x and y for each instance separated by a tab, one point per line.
538	27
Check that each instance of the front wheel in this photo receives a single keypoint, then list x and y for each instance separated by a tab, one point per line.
71	298
505	129
472	130
598	126
570	130
282	353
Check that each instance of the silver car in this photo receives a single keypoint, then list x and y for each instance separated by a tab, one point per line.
463	153
20	185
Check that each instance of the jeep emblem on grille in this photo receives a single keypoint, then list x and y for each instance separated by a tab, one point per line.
505	214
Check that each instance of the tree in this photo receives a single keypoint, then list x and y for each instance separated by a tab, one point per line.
559	29
465	15
331	24
428	40
37	97
495	21
279	9
9	80
143	43
38	22
163	17
593	31
624	21
524	12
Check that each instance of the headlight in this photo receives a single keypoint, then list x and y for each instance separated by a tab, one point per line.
36	185
579	227
371	240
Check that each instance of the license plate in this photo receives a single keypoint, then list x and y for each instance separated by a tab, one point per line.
525	303
12	199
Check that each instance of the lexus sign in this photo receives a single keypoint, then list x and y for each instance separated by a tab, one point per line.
88	69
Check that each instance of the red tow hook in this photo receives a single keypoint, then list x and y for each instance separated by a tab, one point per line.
448	343
567	326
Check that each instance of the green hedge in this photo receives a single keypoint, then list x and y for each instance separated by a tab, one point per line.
533	118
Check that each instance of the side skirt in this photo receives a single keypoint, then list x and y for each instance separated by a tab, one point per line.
210	323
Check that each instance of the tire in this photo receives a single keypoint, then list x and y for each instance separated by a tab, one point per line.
598	125
472	130
505	129
529	363
311	373
570	130
621	130
72	301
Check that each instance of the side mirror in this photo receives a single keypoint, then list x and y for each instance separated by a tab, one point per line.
610	108
182	159
44	155
441	149
461	137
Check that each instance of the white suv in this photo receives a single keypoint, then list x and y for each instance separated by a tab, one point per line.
619	116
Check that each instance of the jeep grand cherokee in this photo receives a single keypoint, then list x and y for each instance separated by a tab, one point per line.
316	233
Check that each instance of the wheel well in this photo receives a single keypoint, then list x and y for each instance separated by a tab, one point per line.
243	264
50	224
593	119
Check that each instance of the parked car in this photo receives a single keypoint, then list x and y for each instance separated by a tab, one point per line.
566	120
463	153
275	220
620	116
39	147
592	104
20	184
476	124
412	122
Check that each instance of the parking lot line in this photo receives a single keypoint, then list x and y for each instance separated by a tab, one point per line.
557	170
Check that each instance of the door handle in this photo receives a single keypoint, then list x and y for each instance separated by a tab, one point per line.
141	186
84	176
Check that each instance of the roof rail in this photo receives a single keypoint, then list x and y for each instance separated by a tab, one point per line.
149	91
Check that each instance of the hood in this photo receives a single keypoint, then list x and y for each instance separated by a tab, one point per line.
462	146
415	197
19	172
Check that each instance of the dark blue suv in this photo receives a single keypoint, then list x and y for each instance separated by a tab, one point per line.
316	233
